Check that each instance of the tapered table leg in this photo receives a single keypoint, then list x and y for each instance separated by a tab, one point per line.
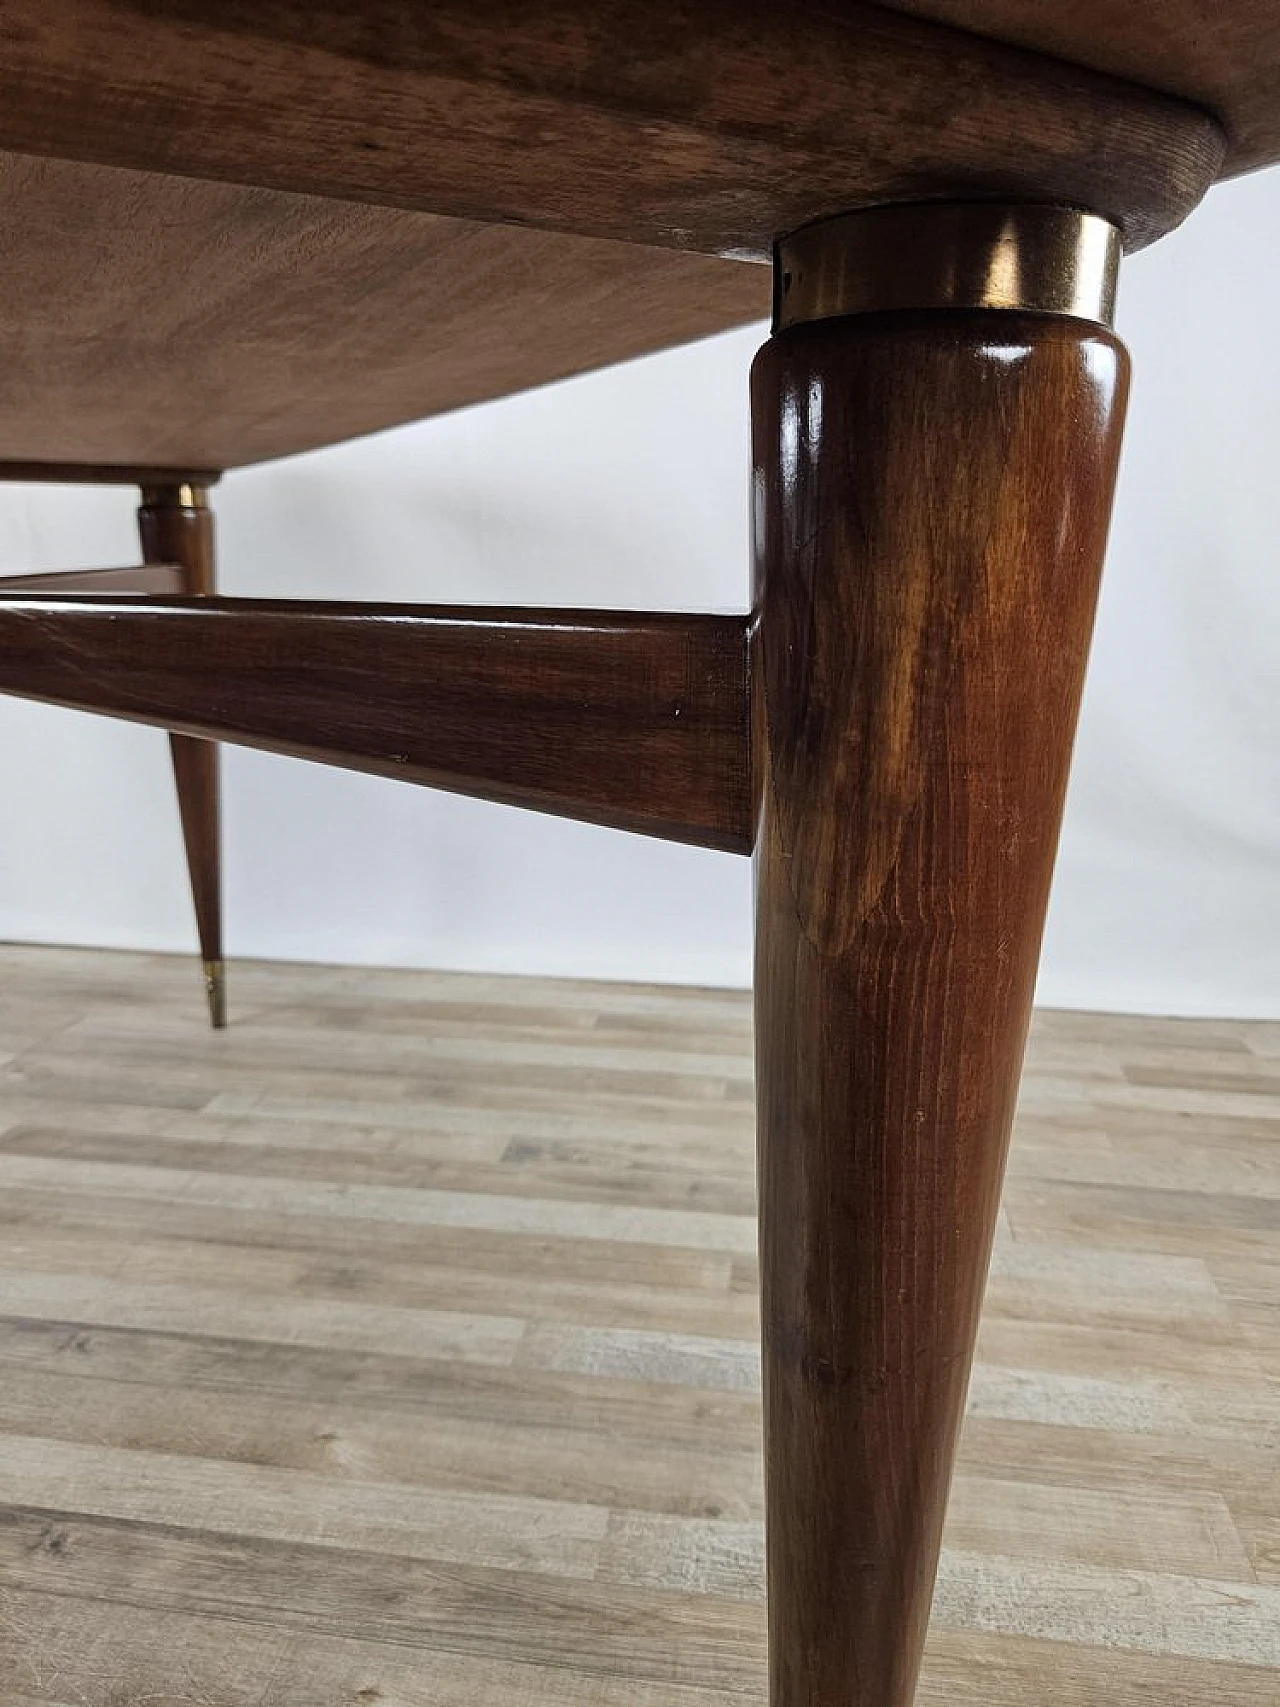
176	526
932	488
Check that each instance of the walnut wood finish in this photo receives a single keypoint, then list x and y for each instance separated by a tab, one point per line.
174	530
141	578
158	321
932	495
708	126
1222	54
639	722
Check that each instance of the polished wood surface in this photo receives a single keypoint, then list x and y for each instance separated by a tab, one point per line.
248	289
1222	54
932	494
220	268
157	321
712	126
398	1347
172	528
639	722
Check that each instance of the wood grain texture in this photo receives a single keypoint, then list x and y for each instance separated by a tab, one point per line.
634	721
1222	54
932	495
172	530
159	321
256	1438
711	126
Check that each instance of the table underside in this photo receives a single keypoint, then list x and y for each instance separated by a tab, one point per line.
234	232
163	321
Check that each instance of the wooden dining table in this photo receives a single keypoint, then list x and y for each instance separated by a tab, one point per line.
236	231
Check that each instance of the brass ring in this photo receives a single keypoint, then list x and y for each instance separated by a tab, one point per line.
1028	257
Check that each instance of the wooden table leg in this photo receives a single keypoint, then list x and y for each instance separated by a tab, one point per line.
932	490
176	526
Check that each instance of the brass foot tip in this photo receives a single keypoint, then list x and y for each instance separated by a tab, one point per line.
215	988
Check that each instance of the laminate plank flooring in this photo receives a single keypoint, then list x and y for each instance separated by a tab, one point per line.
398	1346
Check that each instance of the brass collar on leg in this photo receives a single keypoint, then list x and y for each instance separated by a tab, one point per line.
964	255
188	495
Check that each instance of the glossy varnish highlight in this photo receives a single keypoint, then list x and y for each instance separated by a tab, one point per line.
634	721
932	495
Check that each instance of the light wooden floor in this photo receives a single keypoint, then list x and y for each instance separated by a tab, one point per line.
398	1347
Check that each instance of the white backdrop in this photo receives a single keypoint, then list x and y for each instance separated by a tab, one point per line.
629	489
